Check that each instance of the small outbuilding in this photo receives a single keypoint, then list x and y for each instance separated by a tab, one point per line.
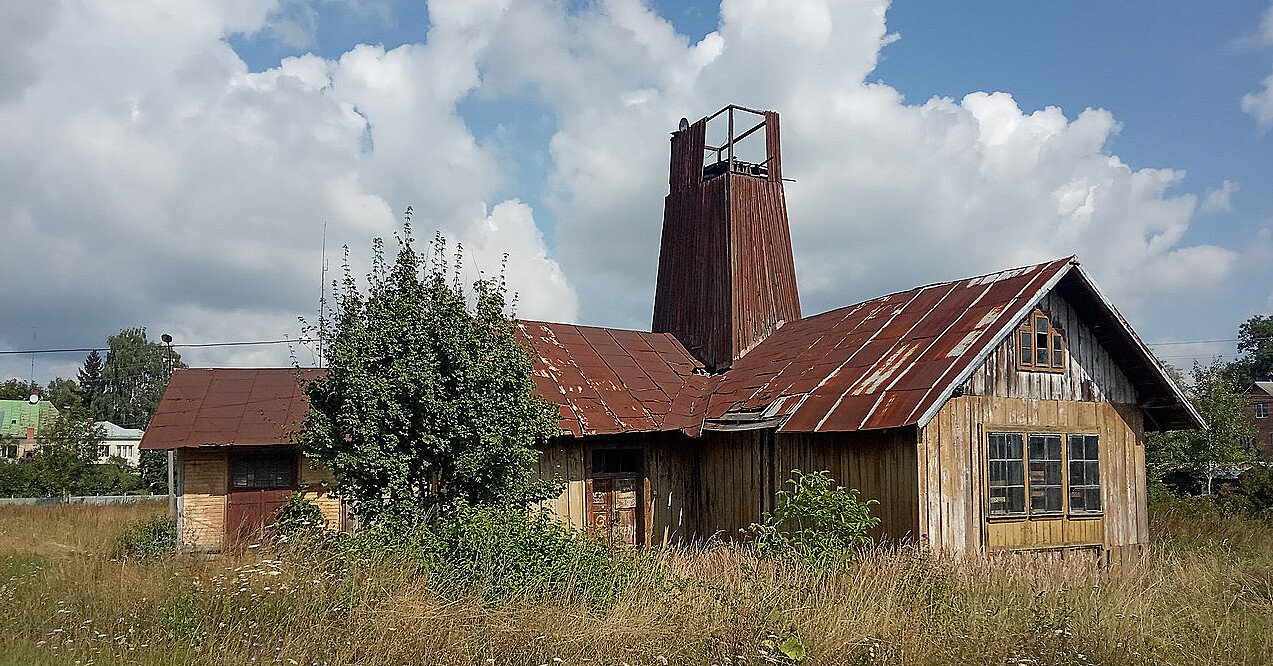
1000	412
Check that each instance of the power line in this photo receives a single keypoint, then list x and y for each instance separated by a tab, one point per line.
191	345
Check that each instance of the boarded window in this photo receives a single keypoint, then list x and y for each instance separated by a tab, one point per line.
616	461
1085	473
1006	457
1045	474
1040	345
261	473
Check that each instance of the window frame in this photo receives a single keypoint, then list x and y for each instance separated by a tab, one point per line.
1261	407
1066	511
1054	345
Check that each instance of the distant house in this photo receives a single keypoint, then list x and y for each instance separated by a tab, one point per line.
21	424
999	412
1260	410
119	442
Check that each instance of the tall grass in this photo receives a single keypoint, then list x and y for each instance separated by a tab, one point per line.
1204	595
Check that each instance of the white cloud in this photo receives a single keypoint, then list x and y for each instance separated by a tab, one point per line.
150	178
1220	199
1259	104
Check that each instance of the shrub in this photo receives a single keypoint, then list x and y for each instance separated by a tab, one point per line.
1253	495
511	554
816	522
148	540
299	515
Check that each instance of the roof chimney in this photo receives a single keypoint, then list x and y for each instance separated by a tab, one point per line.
726	276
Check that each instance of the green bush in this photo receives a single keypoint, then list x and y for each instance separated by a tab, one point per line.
510	554
816	522
1253	495
148	540
299	515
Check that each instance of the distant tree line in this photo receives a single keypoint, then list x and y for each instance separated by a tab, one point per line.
1192	460
123	388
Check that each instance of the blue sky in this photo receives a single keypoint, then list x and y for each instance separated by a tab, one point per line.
174	170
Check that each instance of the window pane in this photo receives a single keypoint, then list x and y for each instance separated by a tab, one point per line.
1006	468
1093	473
1041	325
1093	499
1058	352
1027	349
1085	473
1076	472
1045	474
1076	499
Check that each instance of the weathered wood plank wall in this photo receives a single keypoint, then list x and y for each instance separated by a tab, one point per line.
952	486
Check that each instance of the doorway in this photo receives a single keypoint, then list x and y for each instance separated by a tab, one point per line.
259	486
616	506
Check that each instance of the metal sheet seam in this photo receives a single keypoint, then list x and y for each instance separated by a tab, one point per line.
600	397
641	368
1153	359
936	338
548	333
987	349
840	367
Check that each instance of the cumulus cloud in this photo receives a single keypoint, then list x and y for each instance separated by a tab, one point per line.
154	179
1259	104
150	178
1220	199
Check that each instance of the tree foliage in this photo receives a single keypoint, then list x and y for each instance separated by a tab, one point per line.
17	389
66	464
427	402
1255	344
134	377
1220	397
90	379
65	394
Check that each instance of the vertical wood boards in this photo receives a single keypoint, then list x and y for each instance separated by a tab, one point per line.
1091	374
957	494
203	499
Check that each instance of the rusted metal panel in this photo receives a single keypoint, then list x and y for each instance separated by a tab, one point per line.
229	407
883	362
726	277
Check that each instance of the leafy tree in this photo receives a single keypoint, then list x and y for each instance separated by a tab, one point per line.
426	404
1255	343
17	389
134	377
1220	398
65	394
90	377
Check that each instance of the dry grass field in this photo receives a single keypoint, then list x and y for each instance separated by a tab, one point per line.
1204	595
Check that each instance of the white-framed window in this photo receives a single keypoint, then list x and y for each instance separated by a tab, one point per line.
1261	410
1042	474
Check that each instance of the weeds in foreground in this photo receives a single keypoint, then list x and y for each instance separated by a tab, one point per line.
1194	600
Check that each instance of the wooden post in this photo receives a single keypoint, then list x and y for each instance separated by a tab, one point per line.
172	490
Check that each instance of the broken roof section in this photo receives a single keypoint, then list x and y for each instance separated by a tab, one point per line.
229	407
609	381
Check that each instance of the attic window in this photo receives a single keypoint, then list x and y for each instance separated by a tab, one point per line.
1039	345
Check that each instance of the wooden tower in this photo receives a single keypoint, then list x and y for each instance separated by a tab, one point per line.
726	277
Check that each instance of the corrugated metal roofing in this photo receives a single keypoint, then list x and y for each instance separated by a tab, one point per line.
611	381
228	407
885	362
888	362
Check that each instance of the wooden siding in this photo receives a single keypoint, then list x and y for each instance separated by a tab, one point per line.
318	484
1091	373
201	512
669	459
740	471
952	473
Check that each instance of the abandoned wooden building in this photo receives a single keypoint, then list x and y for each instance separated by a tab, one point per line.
999	412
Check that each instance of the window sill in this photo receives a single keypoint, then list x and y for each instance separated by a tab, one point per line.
1044	518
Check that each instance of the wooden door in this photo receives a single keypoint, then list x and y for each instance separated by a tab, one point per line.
258	487
614	513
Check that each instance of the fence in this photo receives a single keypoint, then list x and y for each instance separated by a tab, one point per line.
97	500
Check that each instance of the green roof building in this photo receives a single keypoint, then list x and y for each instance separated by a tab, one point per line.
20	425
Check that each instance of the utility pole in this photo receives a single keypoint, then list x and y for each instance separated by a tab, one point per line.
172	490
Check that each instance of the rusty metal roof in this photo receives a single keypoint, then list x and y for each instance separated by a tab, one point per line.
888	362
610	381
893	361
228	407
